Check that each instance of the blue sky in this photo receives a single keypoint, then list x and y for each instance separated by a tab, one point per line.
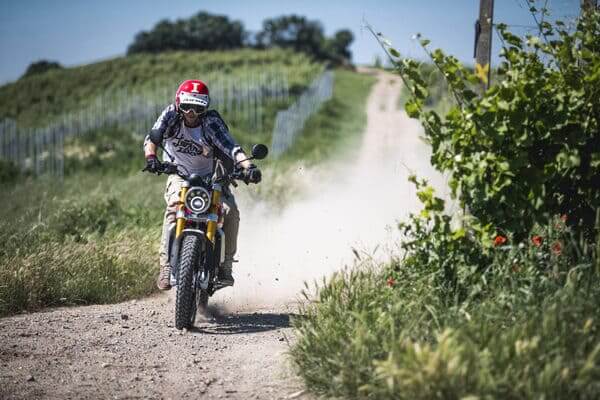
75	32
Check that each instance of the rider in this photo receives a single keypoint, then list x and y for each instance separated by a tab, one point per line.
194	136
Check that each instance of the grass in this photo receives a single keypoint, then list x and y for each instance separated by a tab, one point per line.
338	125
94	237
334	132
455	318
61	91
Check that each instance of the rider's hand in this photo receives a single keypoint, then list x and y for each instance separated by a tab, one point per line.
152	164
253	174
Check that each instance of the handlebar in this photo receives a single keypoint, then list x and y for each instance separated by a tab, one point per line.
169	168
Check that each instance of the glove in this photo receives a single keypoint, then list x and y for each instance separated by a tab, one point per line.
253	174
152	164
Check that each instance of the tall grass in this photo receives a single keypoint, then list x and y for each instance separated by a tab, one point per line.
93	239
456	318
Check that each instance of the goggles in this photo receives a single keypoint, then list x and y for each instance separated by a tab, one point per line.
196	108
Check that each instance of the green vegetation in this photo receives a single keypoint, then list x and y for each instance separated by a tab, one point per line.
61	91
339	123
438	99
204	31
94	238
518	322
307	36
334	131
40	67
502	303
531	142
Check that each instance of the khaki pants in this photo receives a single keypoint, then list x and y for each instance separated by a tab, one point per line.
231	221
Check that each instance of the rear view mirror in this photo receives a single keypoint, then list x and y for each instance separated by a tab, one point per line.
259	151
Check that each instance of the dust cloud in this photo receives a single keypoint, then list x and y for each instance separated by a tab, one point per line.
351	210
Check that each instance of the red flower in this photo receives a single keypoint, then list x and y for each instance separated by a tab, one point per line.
537	240
557	248
391	281
564	218
499	240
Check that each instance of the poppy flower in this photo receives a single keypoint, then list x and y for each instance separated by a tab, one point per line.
390	281
557	248
537	240
499	240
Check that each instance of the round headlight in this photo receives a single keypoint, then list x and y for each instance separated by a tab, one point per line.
197	200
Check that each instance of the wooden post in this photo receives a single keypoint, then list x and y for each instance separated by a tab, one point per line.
588	5
483	41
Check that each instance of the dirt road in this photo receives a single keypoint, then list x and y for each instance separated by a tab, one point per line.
131	350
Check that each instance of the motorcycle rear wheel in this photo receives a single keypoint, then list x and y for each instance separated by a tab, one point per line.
185	302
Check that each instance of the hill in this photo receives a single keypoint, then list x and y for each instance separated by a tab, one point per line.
33	100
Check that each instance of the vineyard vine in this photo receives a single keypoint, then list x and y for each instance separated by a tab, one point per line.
529	147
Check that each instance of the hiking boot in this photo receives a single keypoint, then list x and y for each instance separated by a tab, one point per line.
164	278
225	276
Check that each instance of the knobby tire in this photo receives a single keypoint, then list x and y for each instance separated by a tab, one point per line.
185	305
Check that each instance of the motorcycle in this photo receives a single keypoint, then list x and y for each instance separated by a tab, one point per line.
196	242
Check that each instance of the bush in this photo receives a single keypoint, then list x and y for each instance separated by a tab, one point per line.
9	172
528	148
458	317
40	67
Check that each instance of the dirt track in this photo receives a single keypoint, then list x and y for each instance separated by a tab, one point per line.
131	350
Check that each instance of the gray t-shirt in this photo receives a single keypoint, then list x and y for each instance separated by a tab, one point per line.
189	149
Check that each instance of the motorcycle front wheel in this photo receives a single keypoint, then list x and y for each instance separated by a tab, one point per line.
185	302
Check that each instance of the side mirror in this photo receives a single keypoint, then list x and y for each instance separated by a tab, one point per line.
156	137
259	151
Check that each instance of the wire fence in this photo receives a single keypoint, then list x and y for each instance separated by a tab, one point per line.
41	150
289	123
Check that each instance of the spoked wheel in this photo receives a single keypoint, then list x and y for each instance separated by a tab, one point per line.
185	302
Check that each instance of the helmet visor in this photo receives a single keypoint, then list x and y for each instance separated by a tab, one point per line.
195	108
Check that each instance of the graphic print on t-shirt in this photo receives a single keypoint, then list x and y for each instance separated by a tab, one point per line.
188	146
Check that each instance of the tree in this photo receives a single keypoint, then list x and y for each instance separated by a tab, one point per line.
205	31
298	33
39	67
202	31
337	47
293	31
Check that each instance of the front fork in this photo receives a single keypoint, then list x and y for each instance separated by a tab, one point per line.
180	215
173	250
213	215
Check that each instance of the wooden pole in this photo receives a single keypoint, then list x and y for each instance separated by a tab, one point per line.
588	5
483	41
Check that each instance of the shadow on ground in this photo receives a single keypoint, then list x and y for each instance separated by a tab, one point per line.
219	324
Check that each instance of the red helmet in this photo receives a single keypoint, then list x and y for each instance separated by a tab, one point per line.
193	93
